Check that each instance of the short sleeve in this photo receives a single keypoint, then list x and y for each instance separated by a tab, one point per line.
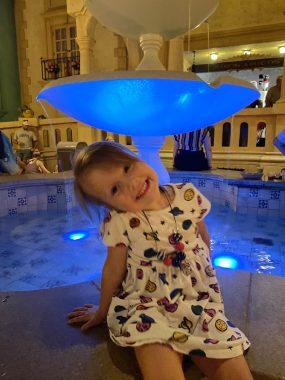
113	230
194	201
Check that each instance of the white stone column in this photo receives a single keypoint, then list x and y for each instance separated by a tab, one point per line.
175	55
85	26
85	44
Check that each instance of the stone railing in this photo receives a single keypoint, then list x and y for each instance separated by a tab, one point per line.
234	143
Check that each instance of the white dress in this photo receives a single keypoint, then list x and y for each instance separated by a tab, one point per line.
170	293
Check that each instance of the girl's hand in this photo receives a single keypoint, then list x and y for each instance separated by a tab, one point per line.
88	316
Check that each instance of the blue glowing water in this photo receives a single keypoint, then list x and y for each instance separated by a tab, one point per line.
35	253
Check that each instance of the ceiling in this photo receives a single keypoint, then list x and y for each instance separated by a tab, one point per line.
235	53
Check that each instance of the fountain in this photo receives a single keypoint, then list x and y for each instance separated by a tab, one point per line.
149	103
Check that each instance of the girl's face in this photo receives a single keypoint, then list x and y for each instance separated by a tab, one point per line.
130	187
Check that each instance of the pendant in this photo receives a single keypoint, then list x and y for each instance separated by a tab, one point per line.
175	238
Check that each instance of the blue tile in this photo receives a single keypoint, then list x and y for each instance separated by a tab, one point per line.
12	192
262	203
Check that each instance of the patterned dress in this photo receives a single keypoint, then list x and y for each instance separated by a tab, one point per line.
170	294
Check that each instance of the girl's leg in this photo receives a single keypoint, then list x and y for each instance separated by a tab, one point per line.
159	362
224	369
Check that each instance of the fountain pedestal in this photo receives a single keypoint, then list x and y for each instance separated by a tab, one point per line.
148	151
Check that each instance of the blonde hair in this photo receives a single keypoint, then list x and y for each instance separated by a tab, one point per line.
101	154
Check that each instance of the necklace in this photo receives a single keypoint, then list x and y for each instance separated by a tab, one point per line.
175	238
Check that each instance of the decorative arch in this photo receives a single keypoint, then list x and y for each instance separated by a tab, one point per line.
69	136
243	134
212	135
261	134
46	138
57	135
227	129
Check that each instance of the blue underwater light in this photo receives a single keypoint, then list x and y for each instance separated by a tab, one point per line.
226	261
76	235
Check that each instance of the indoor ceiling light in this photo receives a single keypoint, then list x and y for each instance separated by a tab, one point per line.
246	52
282	49
214	56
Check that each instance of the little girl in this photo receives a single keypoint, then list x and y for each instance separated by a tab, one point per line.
159	290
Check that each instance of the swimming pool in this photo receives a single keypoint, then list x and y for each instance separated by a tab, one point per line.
36	253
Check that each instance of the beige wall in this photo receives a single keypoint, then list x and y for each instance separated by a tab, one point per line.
106	42
35	24
238	22
235	14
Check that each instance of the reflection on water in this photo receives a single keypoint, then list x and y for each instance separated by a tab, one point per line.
35	253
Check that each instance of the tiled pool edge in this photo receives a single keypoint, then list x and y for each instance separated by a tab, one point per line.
243	196
56	193
47	348
39	194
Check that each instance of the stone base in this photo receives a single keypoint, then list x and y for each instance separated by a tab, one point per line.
38	344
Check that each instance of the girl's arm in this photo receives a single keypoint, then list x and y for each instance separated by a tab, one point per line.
204	233
113	274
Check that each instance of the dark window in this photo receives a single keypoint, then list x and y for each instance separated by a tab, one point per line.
226	134
128	140
243	134
69	134
46	138
57	136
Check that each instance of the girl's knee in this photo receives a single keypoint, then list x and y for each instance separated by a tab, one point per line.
235	368
159	362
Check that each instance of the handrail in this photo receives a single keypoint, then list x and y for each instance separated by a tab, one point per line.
60	67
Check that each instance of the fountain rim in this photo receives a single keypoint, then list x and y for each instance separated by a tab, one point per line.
145	74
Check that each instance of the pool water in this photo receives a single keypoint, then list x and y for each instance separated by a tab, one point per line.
35	252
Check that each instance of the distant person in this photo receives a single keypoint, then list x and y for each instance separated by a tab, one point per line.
26	141
274	93
279	141
8	160
256	103
35	165
192	150
261	134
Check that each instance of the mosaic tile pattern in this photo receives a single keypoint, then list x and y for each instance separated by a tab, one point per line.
247	200
41	197
35	255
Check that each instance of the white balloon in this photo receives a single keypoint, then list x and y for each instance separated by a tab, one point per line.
169	18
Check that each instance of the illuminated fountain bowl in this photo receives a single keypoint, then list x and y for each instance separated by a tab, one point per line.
148	103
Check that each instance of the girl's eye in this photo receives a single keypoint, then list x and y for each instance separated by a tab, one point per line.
114	190
126	169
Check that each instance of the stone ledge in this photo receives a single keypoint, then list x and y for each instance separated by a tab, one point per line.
36	343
